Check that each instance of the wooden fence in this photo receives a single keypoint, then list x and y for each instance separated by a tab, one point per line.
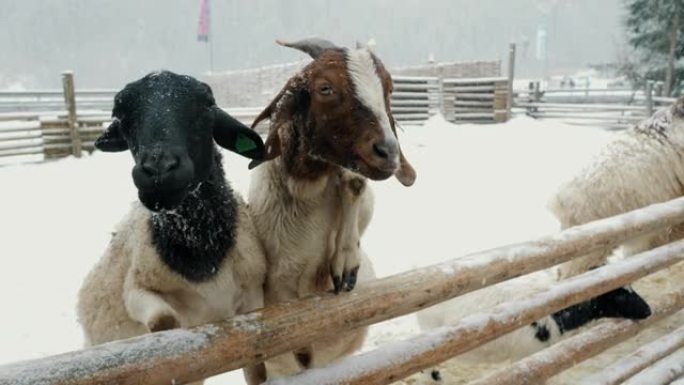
475	100
49	124
182	356
52	124
415	99
617	108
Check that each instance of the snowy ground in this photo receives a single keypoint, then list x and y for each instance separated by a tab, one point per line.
478	187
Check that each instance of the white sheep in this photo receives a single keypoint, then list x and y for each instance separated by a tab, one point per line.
640	167
331	128
189	253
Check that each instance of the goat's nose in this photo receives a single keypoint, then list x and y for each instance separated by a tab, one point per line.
386	149
157	165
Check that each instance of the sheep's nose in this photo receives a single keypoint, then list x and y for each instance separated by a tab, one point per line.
387	149
159	164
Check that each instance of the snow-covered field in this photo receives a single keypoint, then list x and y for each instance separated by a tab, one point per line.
478	187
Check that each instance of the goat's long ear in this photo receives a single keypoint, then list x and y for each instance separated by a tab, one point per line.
406	173
232	135
111	139
313	46
281	111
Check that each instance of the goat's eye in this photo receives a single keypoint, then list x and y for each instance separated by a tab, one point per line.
325	90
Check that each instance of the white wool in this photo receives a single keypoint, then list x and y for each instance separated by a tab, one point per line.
296	220
640	167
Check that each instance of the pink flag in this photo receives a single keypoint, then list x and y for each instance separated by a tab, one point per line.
203	27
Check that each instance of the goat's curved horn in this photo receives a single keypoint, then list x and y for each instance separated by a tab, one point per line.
313	46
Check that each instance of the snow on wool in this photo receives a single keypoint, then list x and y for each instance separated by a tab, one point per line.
480	187
641	166
178	259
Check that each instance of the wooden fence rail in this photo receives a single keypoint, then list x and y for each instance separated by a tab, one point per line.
663	372
608	108
182	356
57	123
543	365
642	358
401	359
415	99
52	136
475	100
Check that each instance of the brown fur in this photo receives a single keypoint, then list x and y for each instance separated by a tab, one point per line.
309	201
314	131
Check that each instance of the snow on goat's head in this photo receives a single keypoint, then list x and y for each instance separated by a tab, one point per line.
338	110
169	122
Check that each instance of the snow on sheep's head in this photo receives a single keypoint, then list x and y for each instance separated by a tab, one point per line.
169	123
337	110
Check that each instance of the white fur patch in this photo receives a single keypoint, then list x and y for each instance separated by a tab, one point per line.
368	86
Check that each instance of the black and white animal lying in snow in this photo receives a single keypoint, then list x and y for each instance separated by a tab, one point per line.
187	253
619	303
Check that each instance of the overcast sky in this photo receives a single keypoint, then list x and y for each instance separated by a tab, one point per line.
109	42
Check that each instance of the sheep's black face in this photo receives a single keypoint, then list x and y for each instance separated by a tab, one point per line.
168	131
169	123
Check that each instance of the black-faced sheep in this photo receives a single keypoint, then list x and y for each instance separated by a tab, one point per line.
642	166
189	254
331	128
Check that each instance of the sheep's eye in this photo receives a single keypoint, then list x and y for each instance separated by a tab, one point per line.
325	90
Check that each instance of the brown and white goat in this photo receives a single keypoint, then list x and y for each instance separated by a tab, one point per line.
331	128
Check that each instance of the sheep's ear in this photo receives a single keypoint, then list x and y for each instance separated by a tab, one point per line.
232	135
112	140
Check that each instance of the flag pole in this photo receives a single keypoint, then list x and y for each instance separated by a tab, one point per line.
211	39
204	30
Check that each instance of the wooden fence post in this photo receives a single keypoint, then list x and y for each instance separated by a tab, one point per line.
502	96
658	89
537	92
511	75
70	104
649	98
440	90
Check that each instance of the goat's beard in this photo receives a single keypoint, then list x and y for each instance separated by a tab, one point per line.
359	166
163	200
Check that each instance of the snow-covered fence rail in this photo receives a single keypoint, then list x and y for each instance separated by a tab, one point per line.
48	101
403	358
613	108
415	98
480	100
49	135
181	356
637	361
39	123
542	365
